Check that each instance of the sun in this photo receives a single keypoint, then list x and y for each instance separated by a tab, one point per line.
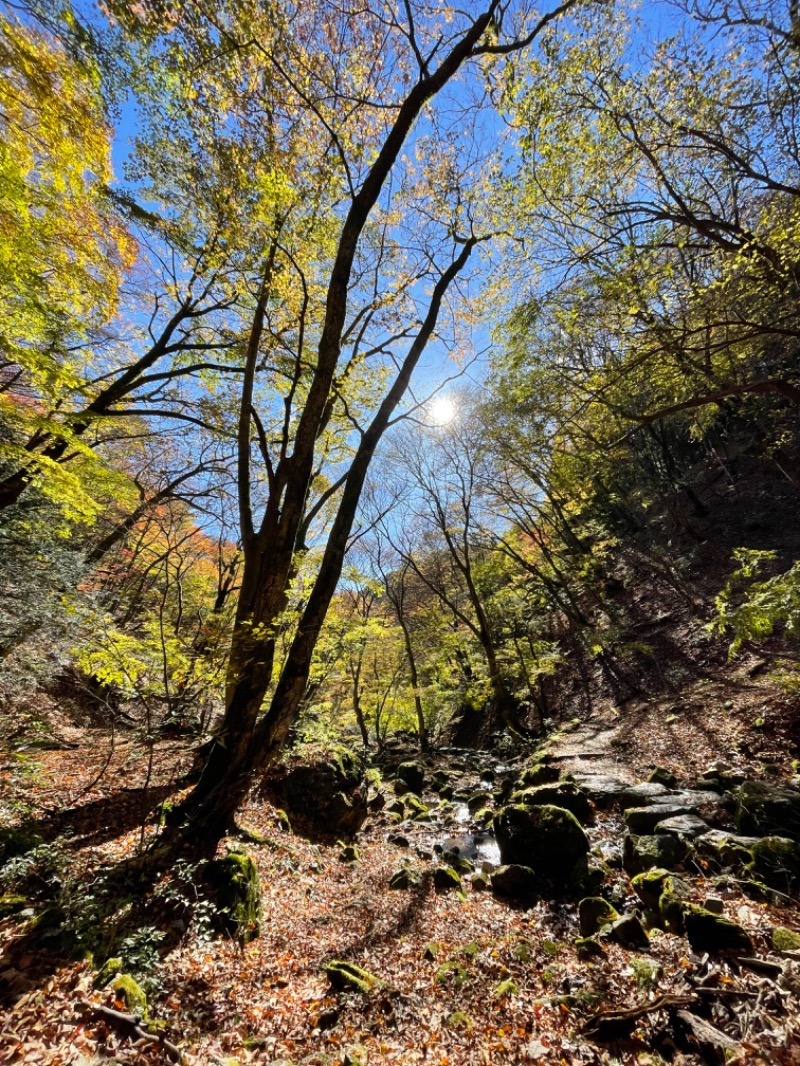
442	410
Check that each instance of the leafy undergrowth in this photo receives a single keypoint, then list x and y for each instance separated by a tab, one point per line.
464	977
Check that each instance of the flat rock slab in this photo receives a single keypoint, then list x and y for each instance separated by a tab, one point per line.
683	825
643	820
605	791
644	794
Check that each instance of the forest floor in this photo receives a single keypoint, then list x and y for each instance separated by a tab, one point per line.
466	977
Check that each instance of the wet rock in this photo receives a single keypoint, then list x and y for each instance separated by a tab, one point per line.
564	794
645	819
710	932
548	839
594	913
687	826
763	809
237	894
517	882
629	932
776	862
478	800
640	853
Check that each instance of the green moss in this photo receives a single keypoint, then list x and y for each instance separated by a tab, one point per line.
452	973
460	1020
132	995
646	973
593	913
347	763
587	947
649	885
776	861
506	989
238	894
350	978
110	968
11	905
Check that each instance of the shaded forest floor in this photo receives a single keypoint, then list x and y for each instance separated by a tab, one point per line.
467	977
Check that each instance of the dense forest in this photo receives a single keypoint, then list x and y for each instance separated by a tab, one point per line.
399	543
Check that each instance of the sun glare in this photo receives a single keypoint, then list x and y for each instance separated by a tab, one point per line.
442	410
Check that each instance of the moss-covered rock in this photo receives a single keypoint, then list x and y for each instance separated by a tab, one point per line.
445	878
629	932
538	773
545	838
586	948
785	939
237	894
515	881
724	850
405	878
110	968
776	862
479	800
593	913
640	853
323	791
131	994
672	904
564	795
763	809
710	932
412	774
348	977
649	885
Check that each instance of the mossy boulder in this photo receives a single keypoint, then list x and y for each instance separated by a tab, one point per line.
545	838
18	840
538	773
405	878
710	932
724	850
237	894
672	905
479	800
629	932
412	775
445	878
649	885
763	809
348	977
593	913
322	789
640	853
785	940
564	794
131	994
514	881
776	862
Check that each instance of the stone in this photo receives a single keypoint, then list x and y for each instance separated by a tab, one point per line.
645	819
763	809
640	853
132	995
629	932
398	840
517	882
349	854
776	862
686	826
323	790
237	894
548	839
672	904
478	800
726	850
604	791
538	773
407	877
662	776
785	940
11	904
593	913
586	948
649	885
710	932
644	794
445	878
412	774
480	882
714	904
564	795
347	977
